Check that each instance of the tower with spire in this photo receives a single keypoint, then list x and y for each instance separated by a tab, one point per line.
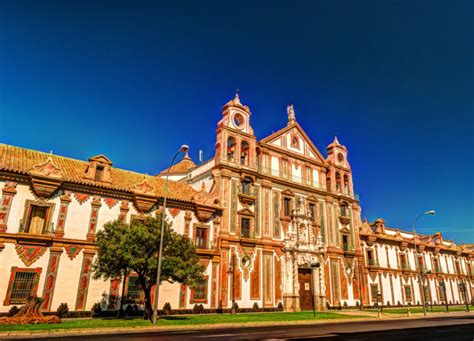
235	139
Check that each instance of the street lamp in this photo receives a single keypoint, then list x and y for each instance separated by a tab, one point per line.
184	149
417	261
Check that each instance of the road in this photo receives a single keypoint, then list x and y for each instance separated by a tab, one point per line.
443	328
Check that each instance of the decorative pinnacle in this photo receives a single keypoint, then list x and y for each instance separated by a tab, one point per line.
291	113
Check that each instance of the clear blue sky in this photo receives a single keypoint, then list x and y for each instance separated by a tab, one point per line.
134	80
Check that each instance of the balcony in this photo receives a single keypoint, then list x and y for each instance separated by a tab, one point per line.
203	244
47	230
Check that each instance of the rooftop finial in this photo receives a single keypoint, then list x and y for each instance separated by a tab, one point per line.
237	98
291	113
336	140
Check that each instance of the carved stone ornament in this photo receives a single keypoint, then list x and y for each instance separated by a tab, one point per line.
110	202
29	254
81	197
46	177
144	196
72	250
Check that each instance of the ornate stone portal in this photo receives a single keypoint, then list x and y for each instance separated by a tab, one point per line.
304	254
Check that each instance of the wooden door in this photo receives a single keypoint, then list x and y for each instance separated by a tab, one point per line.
305	281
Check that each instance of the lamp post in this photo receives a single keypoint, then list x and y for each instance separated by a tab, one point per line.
184	149
420	279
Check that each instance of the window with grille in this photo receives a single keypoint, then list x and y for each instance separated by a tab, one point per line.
23	287
408	297
200	290
36	220
442	296
134	290
201	237
374	291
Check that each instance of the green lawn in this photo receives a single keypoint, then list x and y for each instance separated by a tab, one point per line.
436	309
178	320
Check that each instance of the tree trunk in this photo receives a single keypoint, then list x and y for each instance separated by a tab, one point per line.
148	309
122	299
148	315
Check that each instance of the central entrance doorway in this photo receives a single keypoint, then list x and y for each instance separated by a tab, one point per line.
305	280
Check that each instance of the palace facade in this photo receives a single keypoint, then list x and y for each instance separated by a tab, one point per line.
276	224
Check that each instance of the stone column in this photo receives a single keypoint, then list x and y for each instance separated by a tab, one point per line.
51	274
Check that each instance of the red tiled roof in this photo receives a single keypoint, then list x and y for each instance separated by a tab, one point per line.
21	160
182	166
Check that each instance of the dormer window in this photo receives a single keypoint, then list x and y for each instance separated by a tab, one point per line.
99	171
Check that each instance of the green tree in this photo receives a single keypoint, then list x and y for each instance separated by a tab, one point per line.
135	247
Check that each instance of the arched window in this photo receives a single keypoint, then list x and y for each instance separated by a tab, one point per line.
230	148
346	184
338	182
244	153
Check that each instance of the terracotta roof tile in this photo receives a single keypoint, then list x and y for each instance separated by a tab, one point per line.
21	160
182	166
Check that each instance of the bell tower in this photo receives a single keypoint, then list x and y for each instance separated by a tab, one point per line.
235	140
340	174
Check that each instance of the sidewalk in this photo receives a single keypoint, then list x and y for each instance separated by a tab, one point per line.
163	329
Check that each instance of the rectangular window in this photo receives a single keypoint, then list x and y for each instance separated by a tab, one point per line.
245	227
135	292
442	296
246	187
200	291
36	221
23	285
345	243
403	261
287	206
99	171
408	296
312	210
201	238
374	291
420	263
370	258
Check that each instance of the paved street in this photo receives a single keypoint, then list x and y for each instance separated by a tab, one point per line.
443	328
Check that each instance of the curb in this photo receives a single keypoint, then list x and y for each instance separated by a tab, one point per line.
210	327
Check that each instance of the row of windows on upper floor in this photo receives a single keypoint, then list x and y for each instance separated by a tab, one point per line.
342	181
420	264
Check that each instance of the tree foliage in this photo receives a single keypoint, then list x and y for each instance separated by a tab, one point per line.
135	247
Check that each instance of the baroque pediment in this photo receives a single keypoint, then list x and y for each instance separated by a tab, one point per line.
293	139
46	177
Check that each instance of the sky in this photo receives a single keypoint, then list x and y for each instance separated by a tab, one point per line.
394	80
